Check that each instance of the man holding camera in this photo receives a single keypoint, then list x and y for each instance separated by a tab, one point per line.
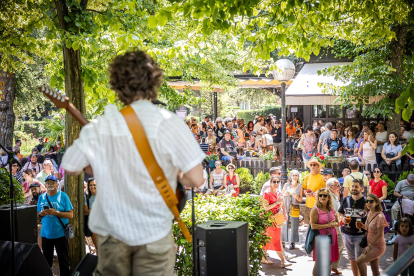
50	207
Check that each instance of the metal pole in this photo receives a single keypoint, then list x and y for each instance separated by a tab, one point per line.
284	177
323	256
195	259
401	264
215	105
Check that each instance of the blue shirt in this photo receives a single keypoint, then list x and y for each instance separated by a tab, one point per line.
51	227
204	147
91	200
341	180
395	150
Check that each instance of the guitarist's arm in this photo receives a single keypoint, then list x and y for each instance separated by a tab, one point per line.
193	178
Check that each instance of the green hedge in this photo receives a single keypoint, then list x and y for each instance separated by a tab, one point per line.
248	115
245	208
5	188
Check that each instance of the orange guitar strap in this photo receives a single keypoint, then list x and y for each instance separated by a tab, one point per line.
157	175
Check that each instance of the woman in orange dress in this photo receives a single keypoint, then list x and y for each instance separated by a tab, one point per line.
374	224
273	202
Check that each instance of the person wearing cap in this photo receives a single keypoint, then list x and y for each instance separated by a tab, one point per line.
327	174
35	192
29	180
47	170
53	233
17	174
333	143
312	183
334	188
226	146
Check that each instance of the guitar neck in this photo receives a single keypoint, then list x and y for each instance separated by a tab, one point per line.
76	114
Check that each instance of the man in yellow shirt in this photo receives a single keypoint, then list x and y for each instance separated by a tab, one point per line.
355	174
313	182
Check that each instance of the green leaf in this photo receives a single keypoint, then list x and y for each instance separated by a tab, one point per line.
95	48
67	18
152	22
161	20
75	45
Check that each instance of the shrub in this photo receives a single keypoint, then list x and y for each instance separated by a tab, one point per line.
244	208
5	188
260	179
246	180
390	183
248	115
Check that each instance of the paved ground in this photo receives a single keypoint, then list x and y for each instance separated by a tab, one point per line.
303	265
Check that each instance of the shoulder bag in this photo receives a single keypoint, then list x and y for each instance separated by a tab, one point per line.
69	232
364	241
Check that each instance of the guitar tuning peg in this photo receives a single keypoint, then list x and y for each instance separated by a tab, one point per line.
43	88
58	96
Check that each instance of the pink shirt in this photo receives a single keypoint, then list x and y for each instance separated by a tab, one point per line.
26	185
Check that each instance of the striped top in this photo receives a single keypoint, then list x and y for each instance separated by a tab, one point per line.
128	206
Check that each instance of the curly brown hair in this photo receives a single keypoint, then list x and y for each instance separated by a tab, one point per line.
134	75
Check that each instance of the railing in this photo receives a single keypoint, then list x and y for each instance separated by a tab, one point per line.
401	264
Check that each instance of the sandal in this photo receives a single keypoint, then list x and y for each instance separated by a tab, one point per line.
266	261
285	265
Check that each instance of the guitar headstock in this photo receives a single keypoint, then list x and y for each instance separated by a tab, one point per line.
57	98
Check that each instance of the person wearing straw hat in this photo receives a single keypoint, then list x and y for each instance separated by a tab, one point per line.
312	183
232	180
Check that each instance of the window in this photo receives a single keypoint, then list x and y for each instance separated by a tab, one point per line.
352	113
335	111
319	111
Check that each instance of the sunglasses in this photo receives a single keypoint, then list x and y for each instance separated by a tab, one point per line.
323	195
370	201
313	165
254	135
14	166
217	164
231	168
377	171
276	182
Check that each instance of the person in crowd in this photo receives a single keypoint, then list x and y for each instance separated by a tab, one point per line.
355	174
277	138
368	175
391	151
374	225
47	170
229	126
33	164
135	238
312	183
89	199
324	136
350	142
212	141
377	186
267	141
252	144
234	121
17	154
353	206
53	233
273	202
365	126
207	119
3	158
327	174
216	179
407	133
35	192
232	180
219	129
292	193
227	147
274	171
17	174
325	219
369	145
203	145
290	132
345	173
29	180
260	122
381	138
250	127
203	130
195	130
404	188
203	188
41	144
240	136
269	125
308	143
403	242
333	143
255	119
332	184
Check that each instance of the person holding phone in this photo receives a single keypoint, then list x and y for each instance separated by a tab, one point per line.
52	232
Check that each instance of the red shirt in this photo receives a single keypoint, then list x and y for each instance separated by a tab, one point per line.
271	198
376	187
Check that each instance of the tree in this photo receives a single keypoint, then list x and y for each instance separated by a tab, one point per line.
7	95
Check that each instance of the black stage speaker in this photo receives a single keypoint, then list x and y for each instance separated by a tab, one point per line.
29	260
86	266
25	223
223	248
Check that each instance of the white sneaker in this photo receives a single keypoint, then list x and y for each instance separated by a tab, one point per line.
289	256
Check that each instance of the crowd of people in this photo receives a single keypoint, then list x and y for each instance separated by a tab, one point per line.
372	144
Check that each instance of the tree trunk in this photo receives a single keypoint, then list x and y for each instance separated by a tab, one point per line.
397	56
7	117
74	90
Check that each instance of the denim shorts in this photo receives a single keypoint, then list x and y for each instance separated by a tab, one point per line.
352	246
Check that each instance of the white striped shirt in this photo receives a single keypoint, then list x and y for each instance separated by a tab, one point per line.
128	206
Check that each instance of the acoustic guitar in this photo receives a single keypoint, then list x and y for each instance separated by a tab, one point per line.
61	101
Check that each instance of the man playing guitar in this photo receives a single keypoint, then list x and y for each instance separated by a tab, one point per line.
129	214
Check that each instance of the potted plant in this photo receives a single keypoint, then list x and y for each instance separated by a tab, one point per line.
212	157
268	158
321	159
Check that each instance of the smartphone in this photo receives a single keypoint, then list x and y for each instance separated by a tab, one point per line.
45	207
